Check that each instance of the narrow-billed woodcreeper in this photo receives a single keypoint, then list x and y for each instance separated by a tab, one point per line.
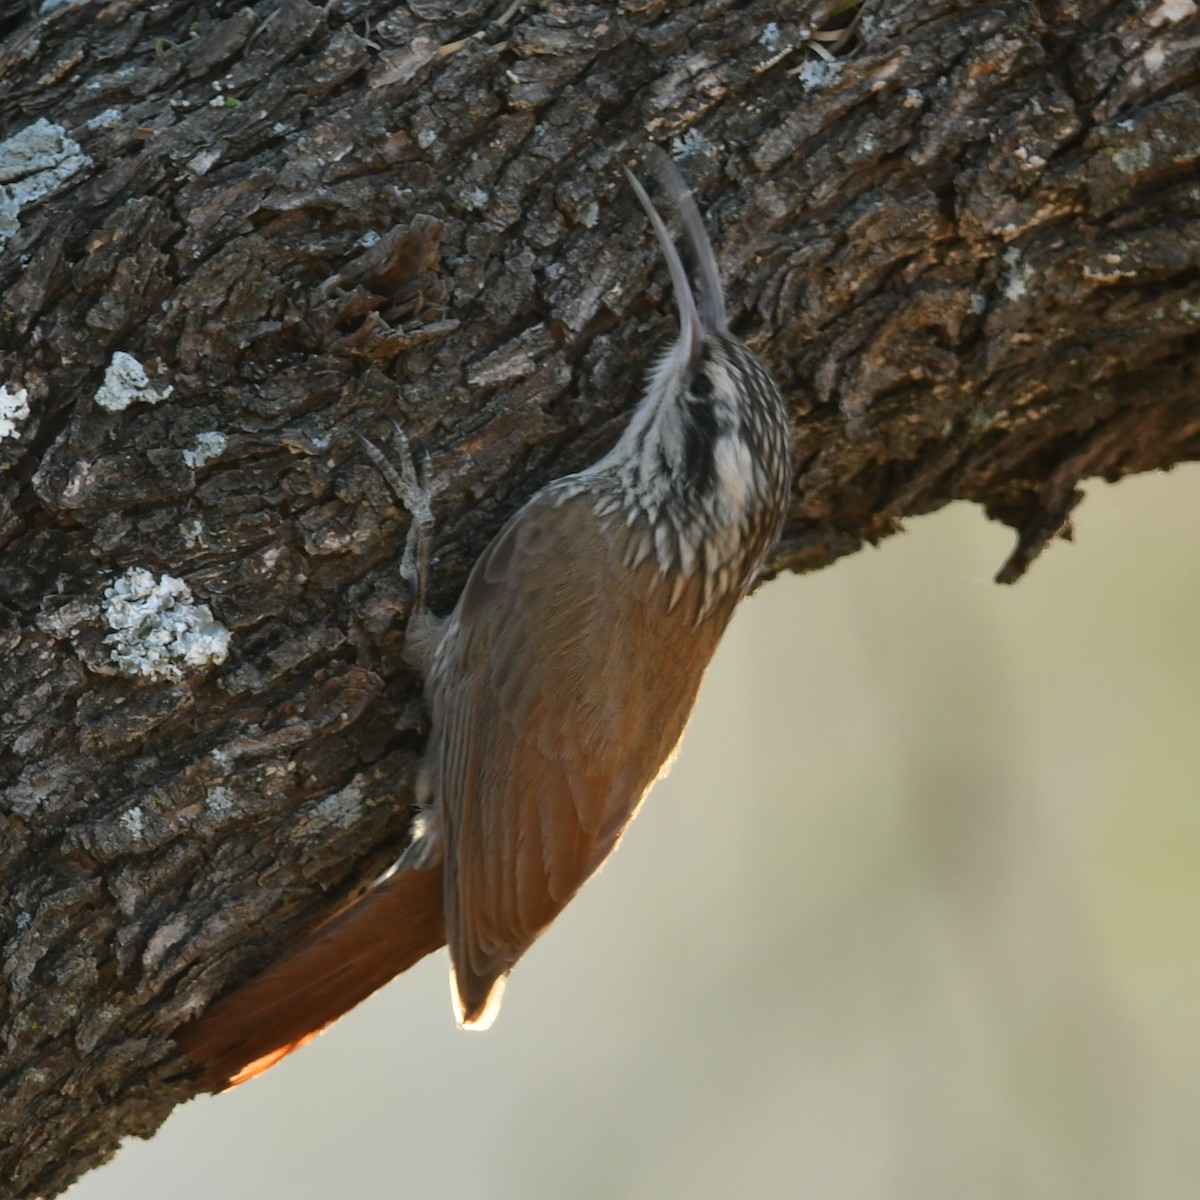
559	685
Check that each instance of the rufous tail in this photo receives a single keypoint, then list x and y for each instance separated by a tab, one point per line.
338	965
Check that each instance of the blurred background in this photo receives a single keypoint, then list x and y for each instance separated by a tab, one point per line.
916	914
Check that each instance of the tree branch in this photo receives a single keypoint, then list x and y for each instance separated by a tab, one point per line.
965	241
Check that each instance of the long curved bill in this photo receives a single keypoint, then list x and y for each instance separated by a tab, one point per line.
695	236
691	332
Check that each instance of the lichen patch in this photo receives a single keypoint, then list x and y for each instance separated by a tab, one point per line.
14	409
34	163
125	383
157	629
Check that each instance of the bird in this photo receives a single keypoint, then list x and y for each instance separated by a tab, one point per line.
560	684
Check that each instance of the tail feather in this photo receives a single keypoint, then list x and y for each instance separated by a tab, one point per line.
476	999
340	964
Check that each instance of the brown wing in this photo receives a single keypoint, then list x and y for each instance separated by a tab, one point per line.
571	679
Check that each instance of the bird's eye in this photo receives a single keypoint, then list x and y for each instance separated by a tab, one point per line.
701	386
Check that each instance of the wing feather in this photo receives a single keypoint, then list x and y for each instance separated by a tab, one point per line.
573	677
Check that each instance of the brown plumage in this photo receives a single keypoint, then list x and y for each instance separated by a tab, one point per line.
558	687
352	954
545	768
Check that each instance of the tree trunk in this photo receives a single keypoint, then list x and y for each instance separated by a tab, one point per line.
967	242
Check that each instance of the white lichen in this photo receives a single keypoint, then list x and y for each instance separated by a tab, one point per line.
589	215
156	628
818	74
205	448
474	198
769	35
110	118
1132	159
219	799
34	163
14	409
692	144
1019	274
340	809
125	383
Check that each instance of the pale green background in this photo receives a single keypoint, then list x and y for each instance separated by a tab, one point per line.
916	915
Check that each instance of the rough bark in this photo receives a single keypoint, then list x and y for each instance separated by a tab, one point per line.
966	240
